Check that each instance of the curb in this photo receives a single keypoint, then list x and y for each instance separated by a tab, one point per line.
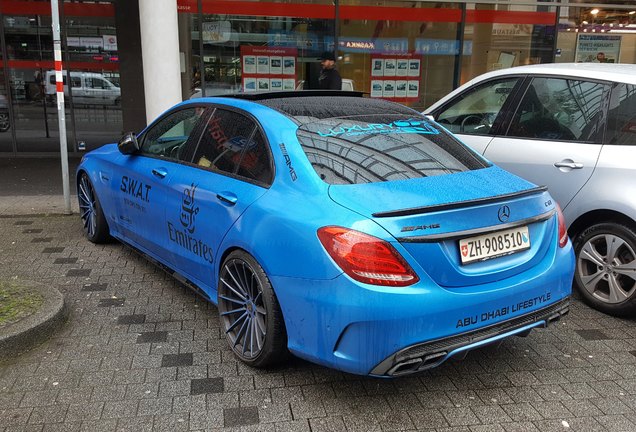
20	337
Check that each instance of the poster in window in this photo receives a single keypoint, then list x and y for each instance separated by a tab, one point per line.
400	89
249	84
276	84
376	88
413	89
289	84
402	67
389	89
592	48
249	64
289	65
262	84
275	65
389	67
377	67
262	65
414	68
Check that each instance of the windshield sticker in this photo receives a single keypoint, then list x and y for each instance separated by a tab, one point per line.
411	126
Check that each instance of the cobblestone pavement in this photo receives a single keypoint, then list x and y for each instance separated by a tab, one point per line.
140	352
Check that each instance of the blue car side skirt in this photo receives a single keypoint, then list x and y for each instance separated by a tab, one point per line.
427	355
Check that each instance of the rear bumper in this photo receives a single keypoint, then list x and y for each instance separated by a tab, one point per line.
368	330
420	357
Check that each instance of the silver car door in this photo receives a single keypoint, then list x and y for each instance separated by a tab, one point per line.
554	137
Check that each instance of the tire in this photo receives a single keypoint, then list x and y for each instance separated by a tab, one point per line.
4	122
605	274
249	312
93	219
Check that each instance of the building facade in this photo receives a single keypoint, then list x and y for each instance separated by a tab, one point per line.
412	52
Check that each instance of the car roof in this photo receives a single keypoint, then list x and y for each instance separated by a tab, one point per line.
618	72
323	104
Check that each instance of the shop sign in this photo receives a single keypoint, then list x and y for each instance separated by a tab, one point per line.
598	48
110	43
512	29
380	45
216	32
441	47
90	44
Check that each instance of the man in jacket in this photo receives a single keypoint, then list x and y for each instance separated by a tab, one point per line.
329	78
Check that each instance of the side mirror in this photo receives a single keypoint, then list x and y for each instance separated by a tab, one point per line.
128	144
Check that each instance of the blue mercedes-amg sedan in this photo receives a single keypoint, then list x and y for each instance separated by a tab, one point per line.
349	231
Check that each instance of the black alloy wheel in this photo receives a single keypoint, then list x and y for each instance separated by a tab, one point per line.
249	311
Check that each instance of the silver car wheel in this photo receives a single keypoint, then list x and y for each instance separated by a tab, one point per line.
242	309
607	268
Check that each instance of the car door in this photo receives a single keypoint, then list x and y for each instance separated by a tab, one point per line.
476	114
231	167
553	138
141	180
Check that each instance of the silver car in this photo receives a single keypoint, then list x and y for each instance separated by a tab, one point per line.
571	127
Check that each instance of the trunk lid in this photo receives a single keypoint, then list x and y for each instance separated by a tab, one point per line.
429	216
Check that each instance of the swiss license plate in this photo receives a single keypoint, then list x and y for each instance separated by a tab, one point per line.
496	244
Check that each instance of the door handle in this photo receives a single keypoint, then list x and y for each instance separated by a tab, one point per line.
160	172
227	198
571	165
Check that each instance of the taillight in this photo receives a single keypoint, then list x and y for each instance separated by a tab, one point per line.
563	230
366	258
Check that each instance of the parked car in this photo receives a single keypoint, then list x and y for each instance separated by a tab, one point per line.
4	114
88	88
350	231
571	127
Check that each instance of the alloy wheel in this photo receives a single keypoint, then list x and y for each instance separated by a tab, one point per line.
607	268
87	206
242	309
4	122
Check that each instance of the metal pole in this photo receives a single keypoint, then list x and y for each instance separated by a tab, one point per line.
57	53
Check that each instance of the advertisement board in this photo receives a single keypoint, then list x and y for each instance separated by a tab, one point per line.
268	68
396	76
592	48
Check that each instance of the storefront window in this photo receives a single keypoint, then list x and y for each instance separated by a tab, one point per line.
93	60
400	51
503	36
597	35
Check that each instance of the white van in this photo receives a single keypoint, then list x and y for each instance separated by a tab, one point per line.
88	88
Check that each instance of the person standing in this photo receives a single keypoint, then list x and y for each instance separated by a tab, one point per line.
329	78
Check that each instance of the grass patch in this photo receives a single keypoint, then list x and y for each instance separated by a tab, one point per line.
17	302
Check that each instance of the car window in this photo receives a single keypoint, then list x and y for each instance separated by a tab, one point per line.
232	143
76	81
376	148
621	122
169	137
559	109
474	111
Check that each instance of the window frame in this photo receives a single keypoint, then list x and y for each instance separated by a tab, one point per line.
259	128
615	88
144	134
214	106
508	108
598	139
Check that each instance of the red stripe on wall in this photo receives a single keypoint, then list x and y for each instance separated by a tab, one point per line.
510	17
15	7
269	9
50	64
400	14
251	8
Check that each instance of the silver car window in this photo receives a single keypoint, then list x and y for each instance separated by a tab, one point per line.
475	111
559	109
621	124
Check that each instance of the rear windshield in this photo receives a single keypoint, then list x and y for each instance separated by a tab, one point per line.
372	148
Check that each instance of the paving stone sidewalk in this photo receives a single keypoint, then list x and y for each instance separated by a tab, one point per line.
140	352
